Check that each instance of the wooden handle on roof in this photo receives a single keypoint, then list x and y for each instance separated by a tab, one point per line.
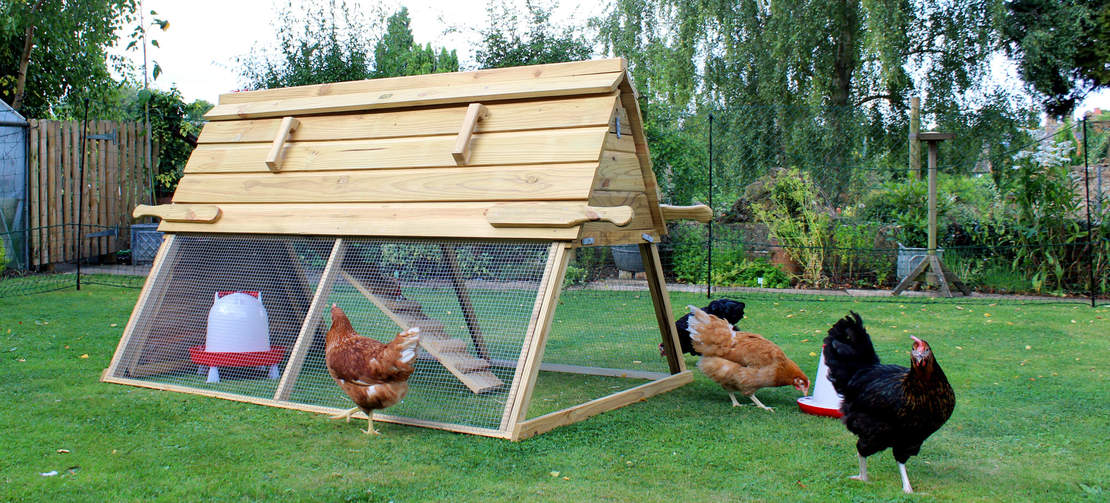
474	113
699	212
191	213
277	150
555	215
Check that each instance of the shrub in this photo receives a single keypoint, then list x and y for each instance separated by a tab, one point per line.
751	273
794	216
575	276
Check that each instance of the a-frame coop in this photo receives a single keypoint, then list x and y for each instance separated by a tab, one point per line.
452	202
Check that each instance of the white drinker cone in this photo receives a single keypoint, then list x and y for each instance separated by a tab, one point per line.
824	401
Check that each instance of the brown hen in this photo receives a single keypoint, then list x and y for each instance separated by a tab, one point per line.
741	361
373	374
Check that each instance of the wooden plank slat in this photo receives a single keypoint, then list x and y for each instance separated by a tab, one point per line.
490	76
57	230
513	116
513	148
100	198
123	210
68	186
505	183
698	212
624	143
111	188
609	238
459	220
420	96
34	132
628	98
592	408
619	171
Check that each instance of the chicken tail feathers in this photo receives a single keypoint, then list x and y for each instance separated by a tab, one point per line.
405	343
707	331
848	349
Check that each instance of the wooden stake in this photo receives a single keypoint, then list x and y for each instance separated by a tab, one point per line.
474	113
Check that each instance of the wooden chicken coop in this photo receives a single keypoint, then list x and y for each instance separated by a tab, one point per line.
452	202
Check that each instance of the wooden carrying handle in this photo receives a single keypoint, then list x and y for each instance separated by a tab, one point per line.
474	113
699	212
191	213
555	215
277	150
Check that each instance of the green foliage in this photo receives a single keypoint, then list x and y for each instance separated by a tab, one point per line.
174	126
961	200
857	256
69	52
758	273
3	255
396	54
504	45
1062	47
793	216
324	42
689	252
575	276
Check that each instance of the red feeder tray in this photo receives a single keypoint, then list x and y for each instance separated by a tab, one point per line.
213	361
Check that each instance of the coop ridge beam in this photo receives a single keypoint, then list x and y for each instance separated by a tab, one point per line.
555	214
277	148
474	113
413	97
188	213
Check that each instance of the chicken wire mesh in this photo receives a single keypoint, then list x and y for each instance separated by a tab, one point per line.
475	302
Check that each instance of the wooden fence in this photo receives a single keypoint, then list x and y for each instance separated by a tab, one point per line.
116	180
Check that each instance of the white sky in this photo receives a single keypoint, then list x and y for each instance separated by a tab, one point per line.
198	51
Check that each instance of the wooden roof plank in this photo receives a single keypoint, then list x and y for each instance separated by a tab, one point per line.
520	73
489	183
420	96
515	116
526	147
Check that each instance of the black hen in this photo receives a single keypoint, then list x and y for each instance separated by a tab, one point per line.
726	309
886	405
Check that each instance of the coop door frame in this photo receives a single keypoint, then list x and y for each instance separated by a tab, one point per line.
513	426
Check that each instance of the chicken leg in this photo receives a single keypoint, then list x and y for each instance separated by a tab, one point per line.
345	415
733	398
369	420
862	469
760	404
905	479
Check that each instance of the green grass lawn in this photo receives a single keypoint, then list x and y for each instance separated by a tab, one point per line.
1030	424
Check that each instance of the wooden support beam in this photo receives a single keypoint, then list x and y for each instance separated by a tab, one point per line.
156	283
451	263
474	113
311	321
578	413
653	268
277	148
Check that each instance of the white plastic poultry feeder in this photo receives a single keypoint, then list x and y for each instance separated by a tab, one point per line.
238	335
825	401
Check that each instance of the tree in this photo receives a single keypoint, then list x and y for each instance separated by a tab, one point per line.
818	84
504	45
51	49
397	54
1062	48
329	42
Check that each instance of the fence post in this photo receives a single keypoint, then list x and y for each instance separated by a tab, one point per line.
1090	228
709	257
915	145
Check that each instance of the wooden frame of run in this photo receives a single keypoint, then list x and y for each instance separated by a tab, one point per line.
513	425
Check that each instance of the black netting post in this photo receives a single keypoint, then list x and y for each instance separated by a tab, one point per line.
709	256
1090	228
81	190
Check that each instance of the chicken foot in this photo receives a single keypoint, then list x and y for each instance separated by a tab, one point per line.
862	469
760	404
733	398
369	420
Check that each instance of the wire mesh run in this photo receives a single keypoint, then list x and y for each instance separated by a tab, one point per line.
476	302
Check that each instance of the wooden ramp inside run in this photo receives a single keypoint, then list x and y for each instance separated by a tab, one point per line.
451	353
